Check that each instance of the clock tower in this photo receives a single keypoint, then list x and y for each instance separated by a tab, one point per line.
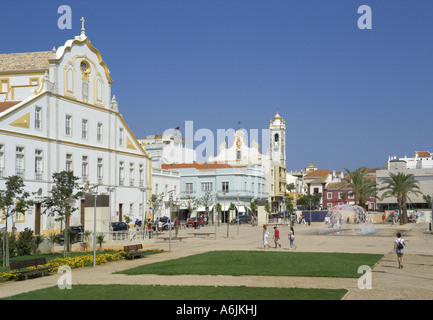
277	136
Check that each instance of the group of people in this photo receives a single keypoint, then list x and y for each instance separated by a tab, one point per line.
399	243
276	237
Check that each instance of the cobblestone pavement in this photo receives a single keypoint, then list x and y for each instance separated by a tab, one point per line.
414	281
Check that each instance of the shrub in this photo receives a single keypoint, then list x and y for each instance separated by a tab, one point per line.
25	242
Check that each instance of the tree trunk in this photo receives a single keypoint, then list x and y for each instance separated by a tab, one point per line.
404	219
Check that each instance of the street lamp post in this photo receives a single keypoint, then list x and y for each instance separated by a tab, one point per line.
238	213
110	190
95	195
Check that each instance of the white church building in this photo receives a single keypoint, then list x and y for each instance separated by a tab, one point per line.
57	113
272	159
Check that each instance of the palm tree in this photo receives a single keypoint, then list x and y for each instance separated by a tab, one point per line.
362	188
400	185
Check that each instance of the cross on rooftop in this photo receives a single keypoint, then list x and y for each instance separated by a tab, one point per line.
82	25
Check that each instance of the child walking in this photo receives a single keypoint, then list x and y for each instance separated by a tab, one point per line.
292	238
276	237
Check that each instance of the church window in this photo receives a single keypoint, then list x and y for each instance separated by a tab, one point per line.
84	129
19	162
238	155
276	137
121	173
68	166
2	161
38	120
99	170
68	125
120	136
38	164
99	132
84	168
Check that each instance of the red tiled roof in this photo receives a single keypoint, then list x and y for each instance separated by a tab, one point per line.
196	165
318	173
7	104
423	154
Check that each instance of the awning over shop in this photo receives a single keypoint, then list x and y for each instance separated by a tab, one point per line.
241	208
203	209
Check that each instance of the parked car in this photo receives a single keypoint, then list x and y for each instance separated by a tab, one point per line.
119	226
76	235
165	223
242	219
191	222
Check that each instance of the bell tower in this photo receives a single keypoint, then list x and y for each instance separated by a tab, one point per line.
277	136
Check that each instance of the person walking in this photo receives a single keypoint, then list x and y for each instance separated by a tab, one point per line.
265	237
276	237
399	245
292	237
176	226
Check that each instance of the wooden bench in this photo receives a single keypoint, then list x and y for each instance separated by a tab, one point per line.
201	233
133	250
24	264
174	238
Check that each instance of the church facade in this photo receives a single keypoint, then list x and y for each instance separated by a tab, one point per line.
273	161
57	113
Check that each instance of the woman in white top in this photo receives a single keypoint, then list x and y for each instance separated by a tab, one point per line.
265	237
399	245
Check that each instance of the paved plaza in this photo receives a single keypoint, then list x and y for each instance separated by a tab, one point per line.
414	281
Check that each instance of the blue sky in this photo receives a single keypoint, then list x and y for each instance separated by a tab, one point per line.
350	97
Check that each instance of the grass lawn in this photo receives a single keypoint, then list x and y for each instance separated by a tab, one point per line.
138	292
264	263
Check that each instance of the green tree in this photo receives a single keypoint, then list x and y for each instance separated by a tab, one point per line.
64	193
100	239
39	239
218	210
206	201
13	200
310	201
362	188
427	198
400	185
232	207
253	208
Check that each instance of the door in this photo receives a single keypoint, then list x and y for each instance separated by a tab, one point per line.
120	212
37	218
82	213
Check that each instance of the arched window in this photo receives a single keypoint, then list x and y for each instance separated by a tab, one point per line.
276	137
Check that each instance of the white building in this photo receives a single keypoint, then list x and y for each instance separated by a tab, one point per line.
56	114
167	148
420	165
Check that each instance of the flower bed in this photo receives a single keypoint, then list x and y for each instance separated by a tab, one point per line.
75	262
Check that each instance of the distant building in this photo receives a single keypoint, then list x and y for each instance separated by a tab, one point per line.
224	183
421	166
167	148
